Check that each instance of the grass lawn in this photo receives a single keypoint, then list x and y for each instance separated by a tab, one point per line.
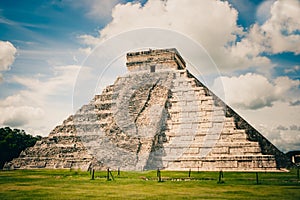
65	184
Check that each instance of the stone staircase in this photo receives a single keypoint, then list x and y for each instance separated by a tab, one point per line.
200	136
61	149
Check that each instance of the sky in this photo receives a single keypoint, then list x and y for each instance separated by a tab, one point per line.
48	48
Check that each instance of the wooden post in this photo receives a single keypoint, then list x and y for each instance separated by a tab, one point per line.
221	175
93	174
257	178
112	177
119	171
158	175
108	179
298	173
190	172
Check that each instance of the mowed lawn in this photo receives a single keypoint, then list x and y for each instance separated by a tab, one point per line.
66	184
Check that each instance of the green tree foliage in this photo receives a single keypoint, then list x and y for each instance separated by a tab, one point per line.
12	142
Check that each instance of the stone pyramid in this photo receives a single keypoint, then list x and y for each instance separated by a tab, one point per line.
158	115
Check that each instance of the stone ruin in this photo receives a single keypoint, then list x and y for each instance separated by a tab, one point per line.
158	115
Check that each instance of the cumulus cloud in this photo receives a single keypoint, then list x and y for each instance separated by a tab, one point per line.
89	40
215	28
85	51
295	103
20	109
263	12
293	69
285	138
279	33
21	115
283	27
180	16
95	9
292	127
62	76
254	91
280	127
7	56
101	9
43	103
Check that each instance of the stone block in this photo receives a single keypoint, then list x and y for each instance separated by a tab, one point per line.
192	151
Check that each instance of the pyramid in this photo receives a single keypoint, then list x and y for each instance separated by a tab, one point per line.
158	115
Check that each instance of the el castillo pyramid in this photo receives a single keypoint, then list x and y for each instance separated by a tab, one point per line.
158	115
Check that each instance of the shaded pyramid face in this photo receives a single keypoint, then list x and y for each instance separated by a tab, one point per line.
158	115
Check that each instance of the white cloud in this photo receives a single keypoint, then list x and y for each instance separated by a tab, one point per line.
294	127
295	103
283	25
280	33
286	139
56	85
215	28
247	52
263	11
43	103
101	9
180	16
277	33
244	7
89	40
85	51
294	69
21	115
7	56
254	91
213	24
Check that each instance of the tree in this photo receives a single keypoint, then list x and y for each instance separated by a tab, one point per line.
12	142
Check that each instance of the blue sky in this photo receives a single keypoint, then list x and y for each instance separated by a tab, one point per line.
44	22
255	46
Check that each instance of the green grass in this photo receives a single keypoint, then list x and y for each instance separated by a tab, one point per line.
65	184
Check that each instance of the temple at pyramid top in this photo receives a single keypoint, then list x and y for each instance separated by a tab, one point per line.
154	60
